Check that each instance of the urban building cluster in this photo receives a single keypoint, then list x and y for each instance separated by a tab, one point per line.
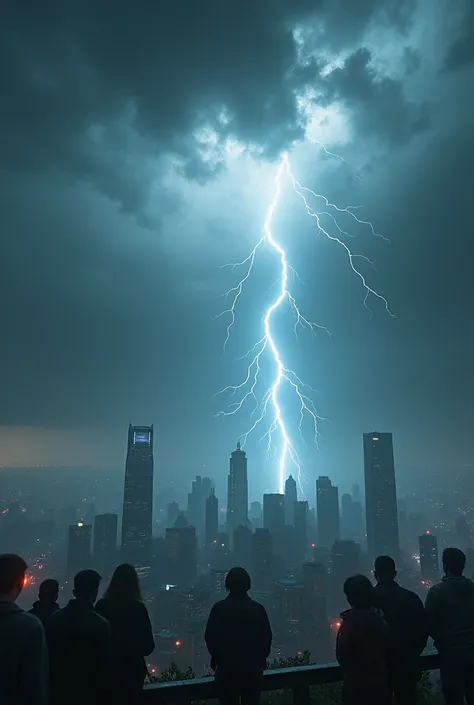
298	552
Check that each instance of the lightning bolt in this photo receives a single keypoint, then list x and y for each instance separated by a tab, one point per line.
269	405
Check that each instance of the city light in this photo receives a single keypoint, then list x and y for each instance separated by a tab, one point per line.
268	404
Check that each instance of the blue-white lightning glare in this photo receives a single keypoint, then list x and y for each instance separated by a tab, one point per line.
269	406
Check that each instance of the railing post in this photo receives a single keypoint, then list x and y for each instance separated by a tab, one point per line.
301	695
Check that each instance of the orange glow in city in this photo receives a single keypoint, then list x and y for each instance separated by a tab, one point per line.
177	643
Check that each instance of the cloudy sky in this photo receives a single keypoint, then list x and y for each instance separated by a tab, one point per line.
139	144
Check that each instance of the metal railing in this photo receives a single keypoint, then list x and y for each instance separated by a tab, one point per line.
298	680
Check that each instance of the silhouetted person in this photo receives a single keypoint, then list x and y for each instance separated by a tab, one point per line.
132	636
23	652
239	639
79	647
361	646
46	604
405	616
450	614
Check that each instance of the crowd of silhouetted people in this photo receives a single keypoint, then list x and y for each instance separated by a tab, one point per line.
92	652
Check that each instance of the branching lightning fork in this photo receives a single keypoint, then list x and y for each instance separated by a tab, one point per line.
269	406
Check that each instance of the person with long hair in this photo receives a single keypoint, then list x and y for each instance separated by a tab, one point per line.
132	636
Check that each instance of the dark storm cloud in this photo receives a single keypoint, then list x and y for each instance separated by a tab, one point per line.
461	52
377	104
104	90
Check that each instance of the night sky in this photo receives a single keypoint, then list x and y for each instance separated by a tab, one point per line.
138	146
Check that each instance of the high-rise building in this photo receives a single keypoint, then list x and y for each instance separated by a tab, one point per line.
327	503
212	519
346	517
380	495
301	532
256	515
172	513
262	559
345	559
138	500
221	557
79	548
181	554
105	543
237	490
200	491
243	547
351	519
274	519
429	561
317	634
291	497
288	616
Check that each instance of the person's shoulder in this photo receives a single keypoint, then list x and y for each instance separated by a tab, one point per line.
28	620
257	606
57	618
411	596
436	590
220	605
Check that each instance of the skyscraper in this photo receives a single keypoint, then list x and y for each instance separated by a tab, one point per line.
317	635
429	561
345	558
262	559
301	532
212	519
138	500
291	497
181	554
256	516
327	503
105	543
380	495
237	491
243	547
78	548
288	616
172	513
347	529
274	518
200	491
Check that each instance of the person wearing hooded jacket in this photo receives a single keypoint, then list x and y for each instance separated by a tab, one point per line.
449	610
361	647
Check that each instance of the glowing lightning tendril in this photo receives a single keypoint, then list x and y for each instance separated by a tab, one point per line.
284	375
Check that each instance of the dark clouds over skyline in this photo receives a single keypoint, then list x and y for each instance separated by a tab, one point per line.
118	209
